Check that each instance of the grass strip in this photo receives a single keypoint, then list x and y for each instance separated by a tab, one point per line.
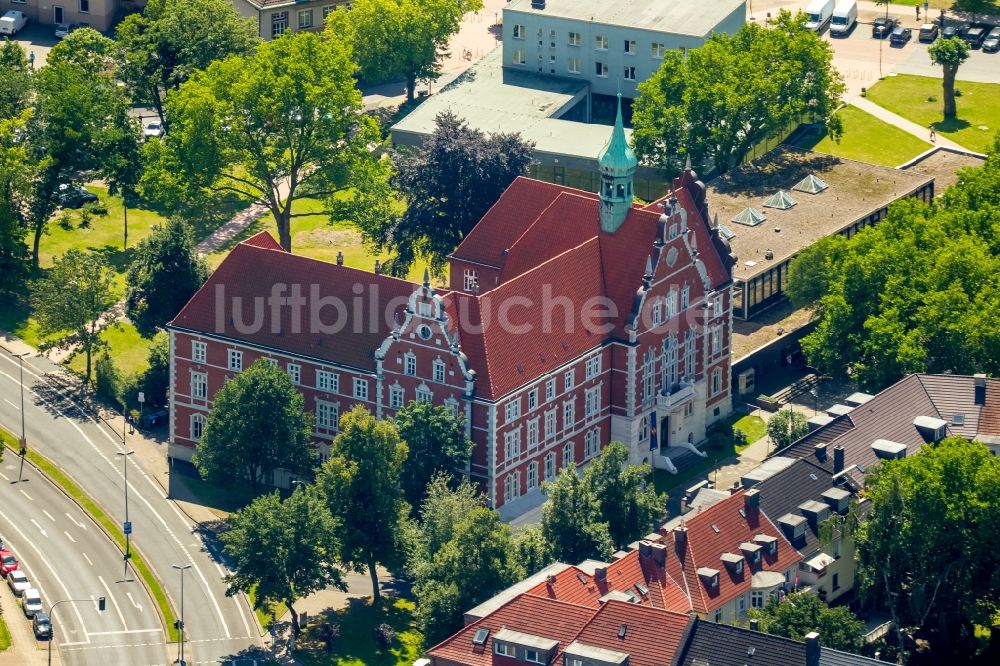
5	641
71	488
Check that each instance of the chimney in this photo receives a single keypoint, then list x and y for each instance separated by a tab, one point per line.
979	382
736	488
538	4
751	501
754	624
340	258
660	554
684	502
550	579
681	536
820	450
601	574
838	459
645	548
378	267
812	649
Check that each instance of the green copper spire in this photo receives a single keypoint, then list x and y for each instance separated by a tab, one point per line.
617	163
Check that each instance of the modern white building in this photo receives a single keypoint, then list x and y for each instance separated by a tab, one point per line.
609	42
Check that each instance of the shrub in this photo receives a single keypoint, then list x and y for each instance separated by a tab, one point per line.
958	92
96	208
739	437
85	218
932	98
384	634
108	381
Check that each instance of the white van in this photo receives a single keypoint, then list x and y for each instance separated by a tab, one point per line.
819	13
31	602
12	21
845	15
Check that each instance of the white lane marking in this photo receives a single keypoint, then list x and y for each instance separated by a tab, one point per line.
27	495
12	404
116	443
68	536
129	595
7	478
49	515
114	601
87	558
75	521
129	631
48	565
40	529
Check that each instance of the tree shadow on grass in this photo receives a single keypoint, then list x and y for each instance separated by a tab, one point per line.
949	125
356	642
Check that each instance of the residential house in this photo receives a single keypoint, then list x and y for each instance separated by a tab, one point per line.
99	14
276	17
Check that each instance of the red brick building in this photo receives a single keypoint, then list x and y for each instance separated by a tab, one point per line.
572	319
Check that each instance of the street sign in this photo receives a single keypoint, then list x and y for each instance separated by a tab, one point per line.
142	397
271	631
127	528
926	5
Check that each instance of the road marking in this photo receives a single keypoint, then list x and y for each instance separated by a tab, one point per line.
12	404
117	444
75	521
35	523
114	601
49	515
87	558
5	476
27	495
48	565
129	631
129	595
68	536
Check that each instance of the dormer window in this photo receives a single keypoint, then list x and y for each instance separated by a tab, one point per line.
504	650
733	562
710	577
768	543
534	656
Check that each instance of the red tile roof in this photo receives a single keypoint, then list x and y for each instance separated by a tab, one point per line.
257	265
652	635
721	528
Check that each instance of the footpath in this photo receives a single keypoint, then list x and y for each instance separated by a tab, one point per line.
25	649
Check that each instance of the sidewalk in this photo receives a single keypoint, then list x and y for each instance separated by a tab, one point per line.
902	123
25	649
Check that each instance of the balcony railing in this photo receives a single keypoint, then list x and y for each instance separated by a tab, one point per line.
675	395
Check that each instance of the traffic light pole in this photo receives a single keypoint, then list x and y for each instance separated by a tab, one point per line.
180	643
52	617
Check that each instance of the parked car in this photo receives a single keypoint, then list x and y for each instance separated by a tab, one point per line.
18	582
953	30
75	196
992	42
900	35
153	128
882	26
42	625
31	602
12	22
928	32
8	563
975	35
62	30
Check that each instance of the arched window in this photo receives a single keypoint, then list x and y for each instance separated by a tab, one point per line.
669	370
647	375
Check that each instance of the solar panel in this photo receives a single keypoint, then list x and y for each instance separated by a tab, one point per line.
481	635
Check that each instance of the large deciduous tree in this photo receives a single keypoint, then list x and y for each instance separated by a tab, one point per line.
277	125
448	184
811	270
437	442
17	171
123	163
362	486
950	54
628	502
400	39
718	101
283	550
164	275
163	46
785	426
72	297
15	72
257	424
927	548
572	521
803	612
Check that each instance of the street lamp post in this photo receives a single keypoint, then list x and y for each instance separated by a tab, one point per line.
127	527
180	643
52	617
24	441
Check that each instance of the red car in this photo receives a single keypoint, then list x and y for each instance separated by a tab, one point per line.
8	562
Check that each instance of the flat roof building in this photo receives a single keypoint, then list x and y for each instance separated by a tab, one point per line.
776	206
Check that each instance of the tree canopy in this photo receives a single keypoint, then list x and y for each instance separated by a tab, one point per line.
72	297
920	292
257	424
277	125
437	442
718	101
15	72
625	495
400	39
163	276
16	177
803	612
785	426
950	54
810	271
448	184
361	483
928	546
572	521
283	550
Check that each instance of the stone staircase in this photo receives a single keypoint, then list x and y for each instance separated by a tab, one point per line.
682	457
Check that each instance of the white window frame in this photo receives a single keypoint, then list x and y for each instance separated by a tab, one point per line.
567	454
550	465
410	364
532	476
439	371
648	368
470	280
532	399
308	13
360	388
519	58
600	43
593	367
327	381
512	444
689	354
716	381
573	66
658	50
199	385
327	10
685	297
592	402
197	426
295	373
657	312
550	388
569	415
424	394
575	38
235	360
550	424
717	306
518	32
395	397
533	433
199	351
327	416
569	380
512	410
716	340
503	649
84	6
600	69
630	47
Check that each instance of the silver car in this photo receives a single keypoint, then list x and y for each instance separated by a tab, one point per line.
18	582
31	602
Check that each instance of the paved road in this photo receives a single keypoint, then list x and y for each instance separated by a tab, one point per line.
219	627
66	556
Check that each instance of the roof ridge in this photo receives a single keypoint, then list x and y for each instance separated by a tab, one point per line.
334	266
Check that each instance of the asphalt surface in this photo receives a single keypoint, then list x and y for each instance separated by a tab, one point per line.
220	629
66	556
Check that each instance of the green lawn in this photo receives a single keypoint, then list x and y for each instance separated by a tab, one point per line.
753	427
316	237
978	107
356	645
868	139
129	350
5	641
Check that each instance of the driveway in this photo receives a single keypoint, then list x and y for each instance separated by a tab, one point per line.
38	39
